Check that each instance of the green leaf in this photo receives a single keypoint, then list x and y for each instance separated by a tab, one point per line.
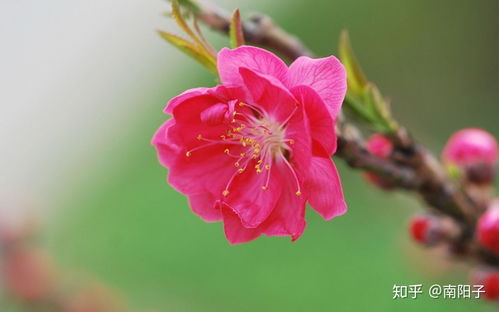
355	76
190	49
363	97
236	30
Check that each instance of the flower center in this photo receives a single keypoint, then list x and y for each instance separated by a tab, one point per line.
256	141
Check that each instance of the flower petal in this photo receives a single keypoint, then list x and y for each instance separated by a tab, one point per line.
269	93
166	149
204	205
323	188
288	216
249	200
321	124
326	76
183	97
259	60
235	232
206	169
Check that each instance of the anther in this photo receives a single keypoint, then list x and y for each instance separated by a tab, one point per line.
226	151
188	154
225	193
236	164
298	193
265	188
199	137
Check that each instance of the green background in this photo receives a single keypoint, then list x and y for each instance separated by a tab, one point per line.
121	222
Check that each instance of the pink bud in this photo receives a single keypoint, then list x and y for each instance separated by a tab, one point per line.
488	227
470	147
430	230
490	281
379	145
426	230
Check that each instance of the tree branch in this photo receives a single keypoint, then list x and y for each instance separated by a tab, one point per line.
258	29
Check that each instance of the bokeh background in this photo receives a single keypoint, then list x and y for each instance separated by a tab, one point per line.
83	87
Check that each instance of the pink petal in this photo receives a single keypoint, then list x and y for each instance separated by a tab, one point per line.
298	130
186	95
326	76
321	124
204	205
235	232
166	149
288	216
215	115
256	59
204	170
323	188
247	198
269	93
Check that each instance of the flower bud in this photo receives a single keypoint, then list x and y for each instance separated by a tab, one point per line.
490	281
488	227
425	230
473	151
381	147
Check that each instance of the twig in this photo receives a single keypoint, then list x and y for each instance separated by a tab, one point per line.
258	29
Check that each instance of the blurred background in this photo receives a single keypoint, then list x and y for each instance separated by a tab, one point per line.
83	88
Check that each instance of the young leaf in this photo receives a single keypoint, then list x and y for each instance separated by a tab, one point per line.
236	30
356	79
190	49
177	16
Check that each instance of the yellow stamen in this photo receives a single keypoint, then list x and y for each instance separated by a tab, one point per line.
225	193
265	188
298	193
188	154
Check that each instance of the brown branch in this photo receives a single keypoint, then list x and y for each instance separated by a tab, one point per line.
258	29
412	167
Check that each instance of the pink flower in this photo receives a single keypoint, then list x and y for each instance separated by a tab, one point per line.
470	147
254	150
